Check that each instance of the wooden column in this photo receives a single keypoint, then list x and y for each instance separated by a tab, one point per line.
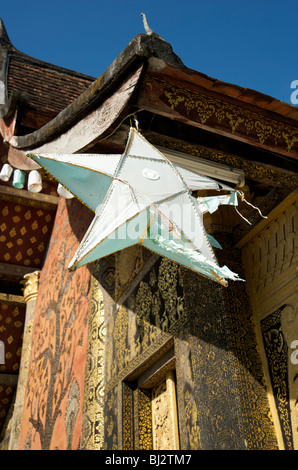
30	295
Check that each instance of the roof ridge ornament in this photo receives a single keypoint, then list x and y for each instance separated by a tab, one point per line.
147	28
4	39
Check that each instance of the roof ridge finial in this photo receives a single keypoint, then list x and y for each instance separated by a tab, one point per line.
4	39
148	29
146	26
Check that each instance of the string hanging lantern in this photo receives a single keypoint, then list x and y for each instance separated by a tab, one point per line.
141	197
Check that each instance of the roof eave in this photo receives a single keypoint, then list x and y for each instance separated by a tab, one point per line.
144	49
139	50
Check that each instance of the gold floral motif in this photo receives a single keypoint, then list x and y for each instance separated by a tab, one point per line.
277	356
213	364
202	108
145	419
163	305
127	420
110	421
120	336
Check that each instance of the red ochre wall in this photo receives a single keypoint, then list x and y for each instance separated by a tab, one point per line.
54	393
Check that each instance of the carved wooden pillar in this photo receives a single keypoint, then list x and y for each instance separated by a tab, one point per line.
30	294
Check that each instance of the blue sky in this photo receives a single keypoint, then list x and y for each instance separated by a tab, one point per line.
248	43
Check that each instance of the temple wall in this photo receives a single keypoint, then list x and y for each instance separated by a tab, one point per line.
270	260
55	387
172	321
137	352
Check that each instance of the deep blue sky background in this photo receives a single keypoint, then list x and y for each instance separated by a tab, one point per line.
248	43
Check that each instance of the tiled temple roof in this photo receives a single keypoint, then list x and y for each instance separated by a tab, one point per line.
48	88
35	84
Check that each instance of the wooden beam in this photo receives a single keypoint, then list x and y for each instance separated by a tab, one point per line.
257	164
8	193
12	299
153	374
9	379
192	107
15	270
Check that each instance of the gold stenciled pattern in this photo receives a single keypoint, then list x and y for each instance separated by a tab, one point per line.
277	356
164	305
92	436
257	416
127	419
270	260
237	120
111	420
6	396
149	316
145	419
24	234
144	334
11	330
11	334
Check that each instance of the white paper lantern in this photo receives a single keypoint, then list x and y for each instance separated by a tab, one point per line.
6	172
63	192
34	181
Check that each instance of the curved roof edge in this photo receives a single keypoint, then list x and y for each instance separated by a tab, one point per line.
142	48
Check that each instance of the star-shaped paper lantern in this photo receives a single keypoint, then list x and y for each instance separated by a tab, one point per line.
140	197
